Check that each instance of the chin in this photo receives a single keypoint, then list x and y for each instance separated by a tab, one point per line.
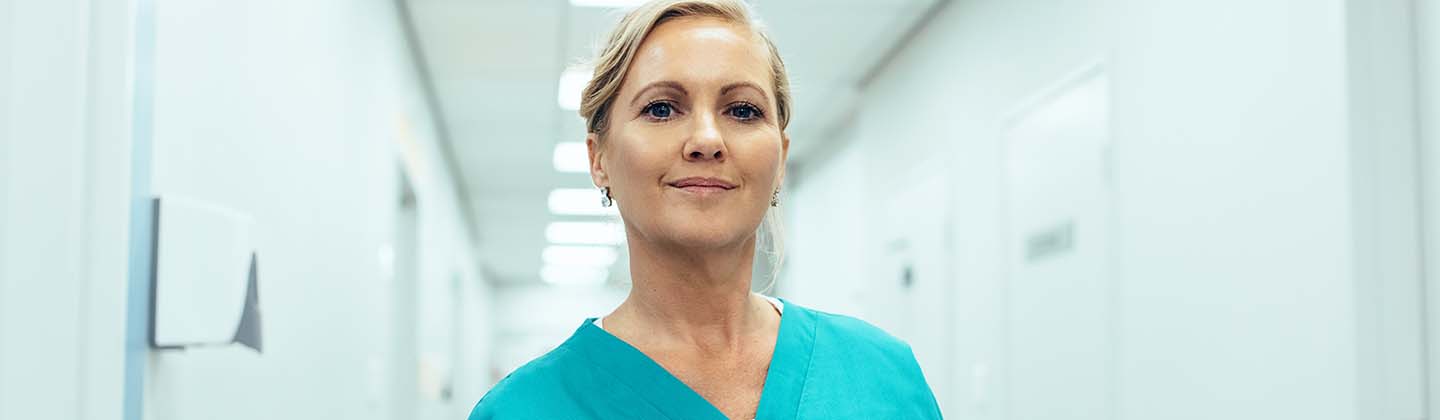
711	235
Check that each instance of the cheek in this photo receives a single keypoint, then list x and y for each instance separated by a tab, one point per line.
637	165
761	159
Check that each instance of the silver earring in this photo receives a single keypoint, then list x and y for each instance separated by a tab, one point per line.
775	198
605	199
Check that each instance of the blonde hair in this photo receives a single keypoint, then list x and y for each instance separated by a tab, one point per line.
619	51
614	60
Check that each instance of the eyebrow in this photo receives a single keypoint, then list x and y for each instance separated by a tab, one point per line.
669	84
740	85
664	84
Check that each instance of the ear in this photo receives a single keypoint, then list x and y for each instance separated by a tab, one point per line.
597	170
784	157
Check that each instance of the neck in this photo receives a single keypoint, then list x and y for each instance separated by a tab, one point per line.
697	297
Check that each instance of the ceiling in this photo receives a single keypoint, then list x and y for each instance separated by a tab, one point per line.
495	67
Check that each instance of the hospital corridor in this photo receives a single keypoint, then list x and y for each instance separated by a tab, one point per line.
971	209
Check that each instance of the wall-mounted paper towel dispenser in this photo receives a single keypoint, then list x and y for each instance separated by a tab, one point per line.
206	276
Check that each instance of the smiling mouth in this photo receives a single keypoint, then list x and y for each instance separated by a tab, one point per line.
703	190
703	185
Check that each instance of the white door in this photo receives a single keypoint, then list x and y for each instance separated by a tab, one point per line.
1058	315
910	294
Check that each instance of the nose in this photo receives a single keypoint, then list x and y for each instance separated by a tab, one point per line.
706	142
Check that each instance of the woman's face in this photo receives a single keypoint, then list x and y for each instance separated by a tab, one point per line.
694	148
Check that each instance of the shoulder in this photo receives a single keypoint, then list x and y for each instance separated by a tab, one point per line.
862	368
842	342
528	388
851	331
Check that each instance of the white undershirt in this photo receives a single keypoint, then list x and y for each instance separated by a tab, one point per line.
779	307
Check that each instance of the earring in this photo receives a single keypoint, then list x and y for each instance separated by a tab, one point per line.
605	199
775	198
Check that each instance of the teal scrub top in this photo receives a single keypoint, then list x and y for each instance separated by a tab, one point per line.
825	366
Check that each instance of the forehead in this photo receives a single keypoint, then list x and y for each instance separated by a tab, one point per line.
700	51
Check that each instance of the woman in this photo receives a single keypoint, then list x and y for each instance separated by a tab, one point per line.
686	115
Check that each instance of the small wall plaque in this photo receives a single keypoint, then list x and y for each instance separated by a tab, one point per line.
1051	242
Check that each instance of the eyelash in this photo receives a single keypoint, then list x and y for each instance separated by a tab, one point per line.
759	114
645	111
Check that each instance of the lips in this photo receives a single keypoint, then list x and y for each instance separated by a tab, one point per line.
701	184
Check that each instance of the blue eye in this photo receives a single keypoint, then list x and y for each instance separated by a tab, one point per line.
659	110
745	112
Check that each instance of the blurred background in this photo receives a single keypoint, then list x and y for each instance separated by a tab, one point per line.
1071	209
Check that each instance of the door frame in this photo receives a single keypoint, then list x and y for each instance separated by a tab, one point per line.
1385	65
1425	33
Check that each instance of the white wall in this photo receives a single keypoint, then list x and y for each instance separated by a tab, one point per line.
64	199
1235	232
531	320
1428	92
937	108
302	115
1241	287
814	212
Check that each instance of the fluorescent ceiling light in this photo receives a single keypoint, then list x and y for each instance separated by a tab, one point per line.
580	256
560	275
571	157
606	3
572	86
578	202
585	233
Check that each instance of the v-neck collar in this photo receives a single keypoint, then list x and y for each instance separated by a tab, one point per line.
789	365
779	399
